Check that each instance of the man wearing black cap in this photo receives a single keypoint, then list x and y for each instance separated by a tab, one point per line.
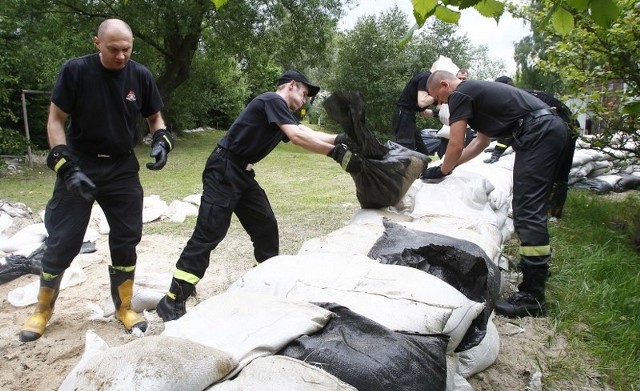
229	185
540	139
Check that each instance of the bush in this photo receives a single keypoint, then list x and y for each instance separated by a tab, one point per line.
12	142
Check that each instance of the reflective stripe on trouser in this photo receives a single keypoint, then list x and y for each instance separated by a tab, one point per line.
539	144
227	189
119	194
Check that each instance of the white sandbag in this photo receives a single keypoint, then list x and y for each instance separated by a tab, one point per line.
248	325
152	363
153	208
26	295
29	237
194	199
5	222
281	373
444	64
482	356
457	195
397	297
178	211
93	345
351	239
444	132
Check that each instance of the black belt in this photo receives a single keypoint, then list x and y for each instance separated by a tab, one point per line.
237	160
535	114
538	113
104	155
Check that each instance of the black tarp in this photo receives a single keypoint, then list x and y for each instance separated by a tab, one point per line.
460	263
371	357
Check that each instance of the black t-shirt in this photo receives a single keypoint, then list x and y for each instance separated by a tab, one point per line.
491	108
103	105
255	133
409	98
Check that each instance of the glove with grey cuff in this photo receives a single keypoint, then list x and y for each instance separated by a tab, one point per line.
161	145
76	182
349	161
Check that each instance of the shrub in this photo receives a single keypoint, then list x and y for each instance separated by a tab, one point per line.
12	142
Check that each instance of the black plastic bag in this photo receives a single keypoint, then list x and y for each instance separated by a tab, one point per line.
371	357
19	265
459	263
387	170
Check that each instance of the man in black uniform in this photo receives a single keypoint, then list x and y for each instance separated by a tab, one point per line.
560	188
540	138
102	94
229	186
413	101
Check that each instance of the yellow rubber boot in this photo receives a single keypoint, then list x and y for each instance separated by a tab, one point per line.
122	292
36	324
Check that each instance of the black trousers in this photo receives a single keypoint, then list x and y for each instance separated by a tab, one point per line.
407	135
119	194
540	145
228	189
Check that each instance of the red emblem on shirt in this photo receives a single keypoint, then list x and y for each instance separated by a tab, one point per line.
131	96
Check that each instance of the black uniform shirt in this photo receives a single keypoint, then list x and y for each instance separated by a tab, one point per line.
104	104
409	98
255	133
491	108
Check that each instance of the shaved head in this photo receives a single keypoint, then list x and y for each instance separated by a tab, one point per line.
115	43
114	25
438	76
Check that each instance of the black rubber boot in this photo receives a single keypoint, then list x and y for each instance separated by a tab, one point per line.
47	295
122	293
173	305
529	300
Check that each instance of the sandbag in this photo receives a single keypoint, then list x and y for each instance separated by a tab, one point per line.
151	363
281	373
460	263
247	326
372	357
387	170
595	185
384	182
397	297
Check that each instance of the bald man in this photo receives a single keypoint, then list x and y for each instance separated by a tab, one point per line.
101	94
540	139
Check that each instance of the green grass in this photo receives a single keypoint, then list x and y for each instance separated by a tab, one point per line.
593	293
594	290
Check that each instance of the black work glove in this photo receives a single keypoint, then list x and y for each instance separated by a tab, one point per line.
349	161
343	138
161	145
76	182
433	173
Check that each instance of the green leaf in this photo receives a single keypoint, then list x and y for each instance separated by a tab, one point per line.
422	9
490	9
579	5
219	3
464	4
562	21
408	36
604	12
447	15
632	107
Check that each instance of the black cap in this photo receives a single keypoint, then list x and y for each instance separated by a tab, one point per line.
297	76
505	80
